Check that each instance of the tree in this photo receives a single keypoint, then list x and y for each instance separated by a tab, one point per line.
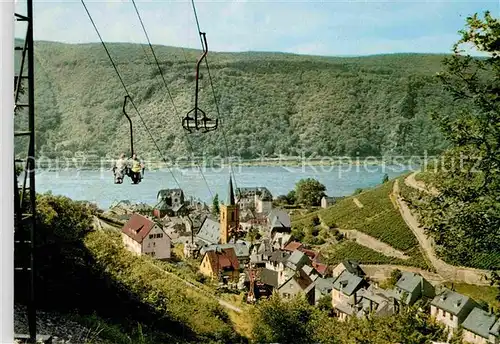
284	321
464	218
291	198
253	234
215	206
385	179
309	192
393	279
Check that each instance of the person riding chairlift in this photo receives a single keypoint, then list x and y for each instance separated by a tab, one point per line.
137	169
119	169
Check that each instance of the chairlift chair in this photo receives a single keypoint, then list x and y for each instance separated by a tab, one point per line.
199	121
136	177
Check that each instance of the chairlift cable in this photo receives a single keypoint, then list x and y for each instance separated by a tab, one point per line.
127	92
169	93
215	98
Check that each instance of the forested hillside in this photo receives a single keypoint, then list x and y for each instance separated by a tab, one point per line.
269	102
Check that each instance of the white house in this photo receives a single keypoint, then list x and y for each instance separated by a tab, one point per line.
451	308
141	235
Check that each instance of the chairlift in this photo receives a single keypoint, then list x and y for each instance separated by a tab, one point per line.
136	177
199	121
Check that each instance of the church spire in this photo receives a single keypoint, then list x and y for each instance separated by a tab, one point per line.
230	199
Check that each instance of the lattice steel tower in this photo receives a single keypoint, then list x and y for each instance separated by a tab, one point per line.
24	194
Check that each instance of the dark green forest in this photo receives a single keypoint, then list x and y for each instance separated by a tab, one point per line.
269	103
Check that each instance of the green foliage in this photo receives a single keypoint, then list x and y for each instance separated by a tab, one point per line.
272	102
280	321
215	206
393	279
253	234
78	268
335	254
295	321
154	287
357	191
385	179
309	192
411	326
464	218
325	303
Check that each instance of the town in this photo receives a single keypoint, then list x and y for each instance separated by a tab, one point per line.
248	247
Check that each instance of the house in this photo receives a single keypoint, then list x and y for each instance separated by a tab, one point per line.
451	308
481	327
345	293
297	260
351	266
241	249
321	268
414	286
279	221
329	201
313	255
221	263
280	239
376	301
293	246
269	278
209	231
261	253
310	271
141	235
169	202
258	199
277	262
323	287
298	283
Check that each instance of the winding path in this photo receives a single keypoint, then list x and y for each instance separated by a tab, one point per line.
445	270
411	181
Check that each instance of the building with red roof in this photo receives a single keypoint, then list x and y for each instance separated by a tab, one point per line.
141	235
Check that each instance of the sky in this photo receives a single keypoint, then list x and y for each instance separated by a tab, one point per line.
328	27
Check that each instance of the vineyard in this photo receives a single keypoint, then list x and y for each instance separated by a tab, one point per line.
378	217
334	254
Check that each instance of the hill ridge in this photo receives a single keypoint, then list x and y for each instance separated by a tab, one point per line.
269	103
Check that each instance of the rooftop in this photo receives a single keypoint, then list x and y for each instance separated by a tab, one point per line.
480	323
279	218
223	259
209	231
279	257
269	277
348	283
451	301
138	227
292	246
241	249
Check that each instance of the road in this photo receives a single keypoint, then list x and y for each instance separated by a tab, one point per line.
445	270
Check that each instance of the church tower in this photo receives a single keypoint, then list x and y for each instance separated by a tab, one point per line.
229	217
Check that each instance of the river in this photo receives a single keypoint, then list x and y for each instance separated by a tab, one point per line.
98	186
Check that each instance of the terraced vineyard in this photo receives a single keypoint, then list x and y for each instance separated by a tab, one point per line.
334	254
378	218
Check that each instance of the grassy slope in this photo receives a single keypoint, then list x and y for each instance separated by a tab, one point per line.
378	218
151	286
269	102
